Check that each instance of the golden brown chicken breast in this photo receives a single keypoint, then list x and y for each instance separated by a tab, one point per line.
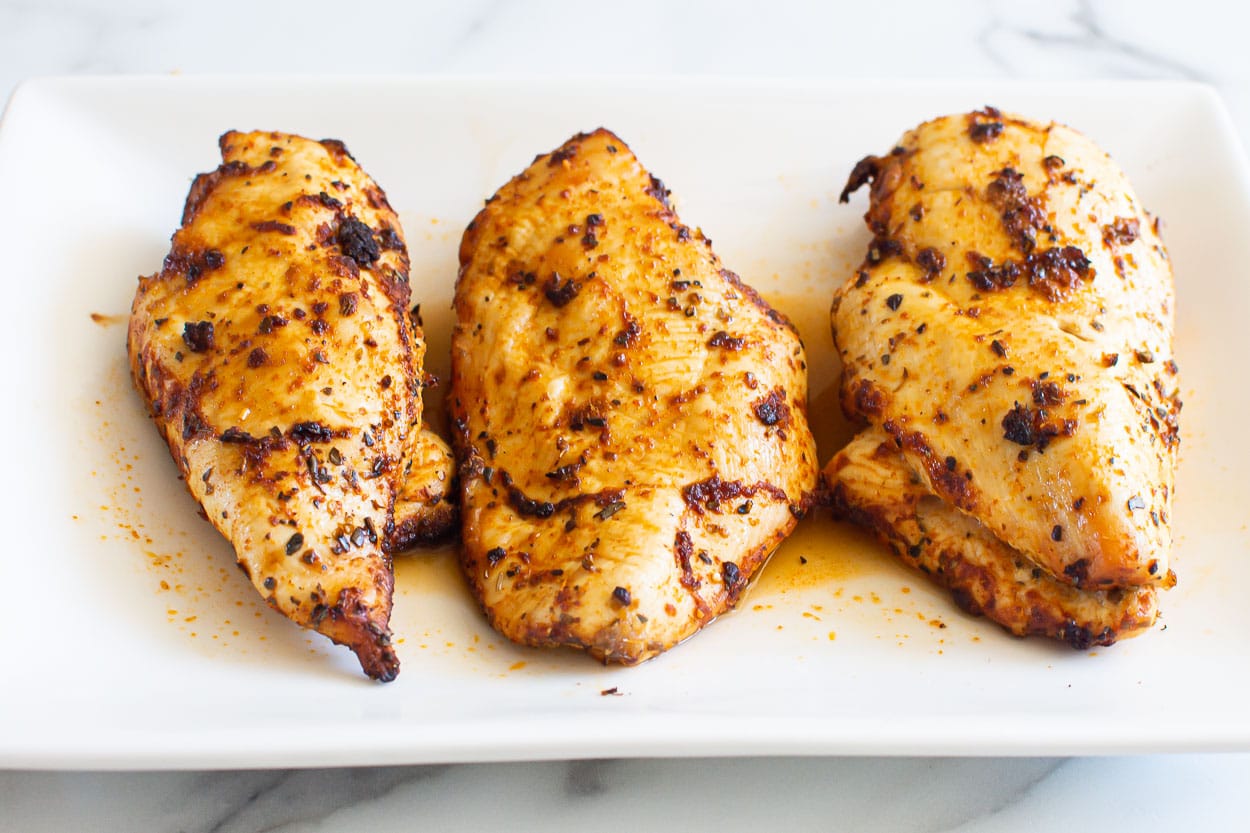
875	487
426	501
630	418
1010	334
275	352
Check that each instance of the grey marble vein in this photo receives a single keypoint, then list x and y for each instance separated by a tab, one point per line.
587	779
1000	794
1080	37
306	796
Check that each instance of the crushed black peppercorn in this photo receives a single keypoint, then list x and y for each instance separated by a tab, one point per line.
985	131
931	261
559	290
725	341
198	336
1031	427
310	432
773	410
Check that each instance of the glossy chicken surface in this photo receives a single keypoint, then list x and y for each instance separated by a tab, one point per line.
275	352
1010	333
425	509
630	418
876	488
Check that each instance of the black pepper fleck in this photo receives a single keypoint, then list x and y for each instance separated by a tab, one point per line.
198	336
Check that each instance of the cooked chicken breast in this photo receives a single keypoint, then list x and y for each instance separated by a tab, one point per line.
630	418
275	352
875	487
1011	334
426	502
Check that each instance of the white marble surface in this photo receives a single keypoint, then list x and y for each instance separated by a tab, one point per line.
957	40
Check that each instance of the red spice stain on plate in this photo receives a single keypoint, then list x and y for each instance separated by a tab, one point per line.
202	592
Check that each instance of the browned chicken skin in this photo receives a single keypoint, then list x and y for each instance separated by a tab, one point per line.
874	487
1009	340
629	416
426	502
275	352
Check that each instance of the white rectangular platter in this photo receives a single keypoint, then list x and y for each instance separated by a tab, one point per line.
128	639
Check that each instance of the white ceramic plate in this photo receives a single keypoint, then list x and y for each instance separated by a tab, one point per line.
130	640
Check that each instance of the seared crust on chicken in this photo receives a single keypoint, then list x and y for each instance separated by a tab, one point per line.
630	418
1010	334
275	352
426	501
874	487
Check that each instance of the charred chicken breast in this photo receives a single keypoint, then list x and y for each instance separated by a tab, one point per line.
630	418
275	353
1008	341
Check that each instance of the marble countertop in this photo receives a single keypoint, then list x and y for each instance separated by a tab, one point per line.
1124	39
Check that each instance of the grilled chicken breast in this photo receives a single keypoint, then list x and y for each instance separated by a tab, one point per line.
630	418
275	352
1010	335
876	488
426	502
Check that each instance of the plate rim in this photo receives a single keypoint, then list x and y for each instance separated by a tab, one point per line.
785	738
